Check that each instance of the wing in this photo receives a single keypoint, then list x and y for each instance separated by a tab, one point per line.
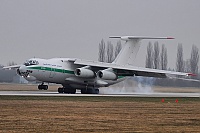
12	67
128	70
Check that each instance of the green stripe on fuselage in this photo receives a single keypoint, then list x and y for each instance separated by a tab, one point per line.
119	77
59	70
52	69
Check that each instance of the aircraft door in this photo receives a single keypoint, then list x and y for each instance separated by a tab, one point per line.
52	73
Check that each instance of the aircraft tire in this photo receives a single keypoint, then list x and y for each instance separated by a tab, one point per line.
60	90
45	87
96	91
90	91
83	91
69	90
39	87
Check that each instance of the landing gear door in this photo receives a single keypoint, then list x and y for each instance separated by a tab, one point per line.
52	73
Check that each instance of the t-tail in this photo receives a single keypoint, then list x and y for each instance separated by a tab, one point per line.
128	53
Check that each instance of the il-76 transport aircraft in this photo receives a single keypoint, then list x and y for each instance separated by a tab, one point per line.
88	76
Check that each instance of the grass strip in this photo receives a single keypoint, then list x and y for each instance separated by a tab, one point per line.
101	99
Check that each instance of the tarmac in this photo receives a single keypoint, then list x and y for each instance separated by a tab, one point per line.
48	93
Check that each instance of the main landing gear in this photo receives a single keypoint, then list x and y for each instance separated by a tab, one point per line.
73	91
43	87
84	89
66	90
89	91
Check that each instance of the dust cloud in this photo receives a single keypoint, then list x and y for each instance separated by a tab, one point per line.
131	85
144	84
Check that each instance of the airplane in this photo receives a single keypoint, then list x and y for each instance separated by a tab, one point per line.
89	76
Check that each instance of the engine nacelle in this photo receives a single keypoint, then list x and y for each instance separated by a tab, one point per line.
84	72
107	75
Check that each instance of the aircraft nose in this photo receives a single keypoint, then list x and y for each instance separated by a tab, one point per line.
22	68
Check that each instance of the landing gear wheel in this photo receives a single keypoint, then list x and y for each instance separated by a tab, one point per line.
60	90
83	91
96	91
66	90
89	91
69	90
43	87
39	87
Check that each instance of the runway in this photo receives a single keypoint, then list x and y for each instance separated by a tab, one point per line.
48	93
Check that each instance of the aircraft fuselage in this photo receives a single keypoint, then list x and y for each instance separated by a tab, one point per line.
60	71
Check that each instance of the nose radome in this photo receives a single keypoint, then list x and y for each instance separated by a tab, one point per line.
23	68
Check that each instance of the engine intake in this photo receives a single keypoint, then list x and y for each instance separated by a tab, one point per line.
84	72
107	74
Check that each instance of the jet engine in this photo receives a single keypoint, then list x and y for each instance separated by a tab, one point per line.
107	74
84	72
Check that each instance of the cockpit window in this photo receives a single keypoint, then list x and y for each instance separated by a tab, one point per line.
31	62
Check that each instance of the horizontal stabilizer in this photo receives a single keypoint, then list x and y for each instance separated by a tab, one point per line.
126	38
128	53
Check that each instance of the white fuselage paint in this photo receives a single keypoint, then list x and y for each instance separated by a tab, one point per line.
61	71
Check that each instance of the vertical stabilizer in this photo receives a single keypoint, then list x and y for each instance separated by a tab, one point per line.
128	53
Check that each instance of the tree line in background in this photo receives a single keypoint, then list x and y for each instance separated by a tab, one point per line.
157	58
108	53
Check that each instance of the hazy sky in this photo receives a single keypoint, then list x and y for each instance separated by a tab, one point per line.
74	28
